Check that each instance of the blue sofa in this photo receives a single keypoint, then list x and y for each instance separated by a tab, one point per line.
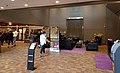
92	47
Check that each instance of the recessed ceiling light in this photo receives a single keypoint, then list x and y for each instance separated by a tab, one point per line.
26	5
2	7
12	0
57	2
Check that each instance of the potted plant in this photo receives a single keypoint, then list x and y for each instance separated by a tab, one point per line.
98	38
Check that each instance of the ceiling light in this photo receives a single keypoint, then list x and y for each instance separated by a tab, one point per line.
10	23
12	0
26	5
2	7
57	2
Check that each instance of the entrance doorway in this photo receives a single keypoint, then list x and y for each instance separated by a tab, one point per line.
75	28
23	33
20	35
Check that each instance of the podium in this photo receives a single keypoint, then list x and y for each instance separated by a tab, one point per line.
31	52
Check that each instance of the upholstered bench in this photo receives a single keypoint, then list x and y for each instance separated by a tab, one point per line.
92	47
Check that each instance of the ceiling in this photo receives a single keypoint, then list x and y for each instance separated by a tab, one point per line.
8	4
15	24
114	7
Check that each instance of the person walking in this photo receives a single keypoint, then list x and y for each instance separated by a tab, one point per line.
42	43
15	33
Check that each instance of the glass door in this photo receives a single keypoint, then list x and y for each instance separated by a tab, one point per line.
20	35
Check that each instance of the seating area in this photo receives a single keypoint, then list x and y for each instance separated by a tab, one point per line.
68	43
92	47
78	45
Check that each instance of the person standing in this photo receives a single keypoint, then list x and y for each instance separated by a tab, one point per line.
10	38
31	38
38	38
5	36
2	38
42	43
15	33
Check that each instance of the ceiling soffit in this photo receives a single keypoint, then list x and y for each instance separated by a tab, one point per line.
17	4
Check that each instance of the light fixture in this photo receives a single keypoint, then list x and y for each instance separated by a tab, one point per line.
26	5
64	32
57	2
16	25
75	18
82	27
2	7
10	23
12	0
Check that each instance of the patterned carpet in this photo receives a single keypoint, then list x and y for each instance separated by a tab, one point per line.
76	50
14	60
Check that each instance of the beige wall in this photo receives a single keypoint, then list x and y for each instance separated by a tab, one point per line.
94	18
27	16
112	25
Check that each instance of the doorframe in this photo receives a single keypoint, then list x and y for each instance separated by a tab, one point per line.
78	18
21	34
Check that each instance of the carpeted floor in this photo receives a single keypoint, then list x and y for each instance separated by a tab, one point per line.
14	60
76	50
103	61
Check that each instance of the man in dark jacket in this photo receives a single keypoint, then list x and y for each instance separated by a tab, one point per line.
10	38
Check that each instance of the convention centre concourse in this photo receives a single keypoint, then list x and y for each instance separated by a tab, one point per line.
59	36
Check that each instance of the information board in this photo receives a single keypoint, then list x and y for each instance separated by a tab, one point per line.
54	38
31	52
